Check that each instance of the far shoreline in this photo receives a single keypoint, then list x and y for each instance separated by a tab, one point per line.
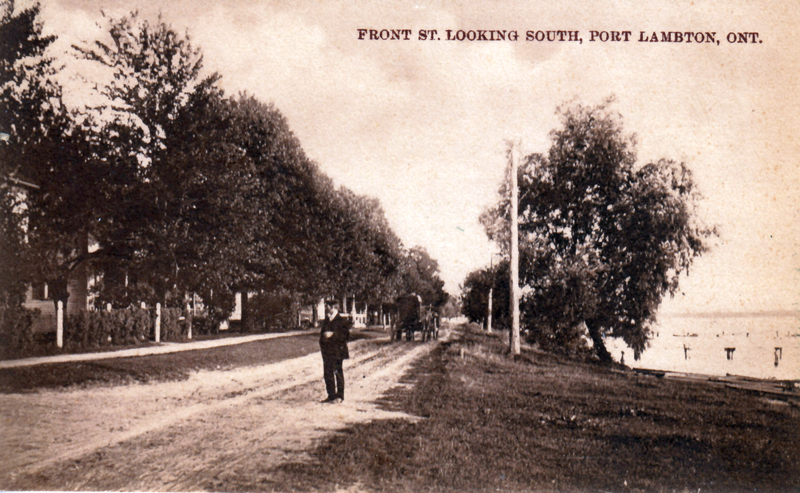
722	314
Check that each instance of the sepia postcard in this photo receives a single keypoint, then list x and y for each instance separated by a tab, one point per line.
254	179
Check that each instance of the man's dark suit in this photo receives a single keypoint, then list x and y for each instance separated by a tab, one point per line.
334	351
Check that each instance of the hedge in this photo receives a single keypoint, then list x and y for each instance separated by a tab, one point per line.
116	327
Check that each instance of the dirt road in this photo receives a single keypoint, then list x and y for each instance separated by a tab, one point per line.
218	430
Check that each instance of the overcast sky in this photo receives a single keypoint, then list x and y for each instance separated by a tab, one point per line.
421	124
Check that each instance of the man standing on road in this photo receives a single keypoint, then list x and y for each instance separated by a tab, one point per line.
333	344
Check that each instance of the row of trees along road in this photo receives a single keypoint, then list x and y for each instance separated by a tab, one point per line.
180	188
602	238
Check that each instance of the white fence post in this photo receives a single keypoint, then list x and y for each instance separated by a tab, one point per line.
158	322
189	321
60	325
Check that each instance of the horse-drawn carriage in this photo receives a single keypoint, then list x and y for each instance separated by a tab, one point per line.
411	317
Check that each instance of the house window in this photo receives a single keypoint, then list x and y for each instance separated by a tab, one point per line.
40	291
778	355
729	352
686	351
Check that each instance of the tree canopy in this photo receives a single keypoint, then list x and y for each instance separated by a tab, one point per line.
420	275
602	238
33	123
179	188
475	295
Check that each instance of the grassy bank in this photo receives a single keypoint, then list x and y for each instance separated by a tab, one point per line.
545	423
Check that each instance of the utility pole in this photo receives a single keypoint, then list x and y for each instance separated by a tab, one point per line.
491	291
513	340
489	310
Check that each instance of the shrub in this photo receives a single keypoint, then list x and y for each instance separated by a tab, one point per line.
76	329
272	312
16	328
172	327
204	325
99	328
565	340
137	325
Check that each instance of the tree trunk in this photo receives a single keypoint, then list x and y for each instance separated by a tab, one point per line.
59	292
597	341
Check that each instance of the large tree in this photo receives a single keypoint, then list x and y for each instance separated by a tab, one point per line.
286	202
175	184
603	239
38	135
357	254
24	90
475	295
169	167
218	194
420	275
28	95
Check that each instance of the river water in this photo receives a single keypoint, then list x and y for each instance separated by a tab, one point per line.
760	345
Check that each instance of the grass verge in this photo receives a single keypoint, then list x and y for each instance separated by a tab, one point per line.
544	423
44	344
158	368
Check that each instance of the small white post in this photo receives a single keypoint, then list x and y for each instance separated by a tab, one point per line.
144	305
158	322
108	307
189	321
60	325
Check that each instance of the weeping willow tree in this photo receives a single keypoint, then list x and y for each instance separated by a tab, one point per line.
603	238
